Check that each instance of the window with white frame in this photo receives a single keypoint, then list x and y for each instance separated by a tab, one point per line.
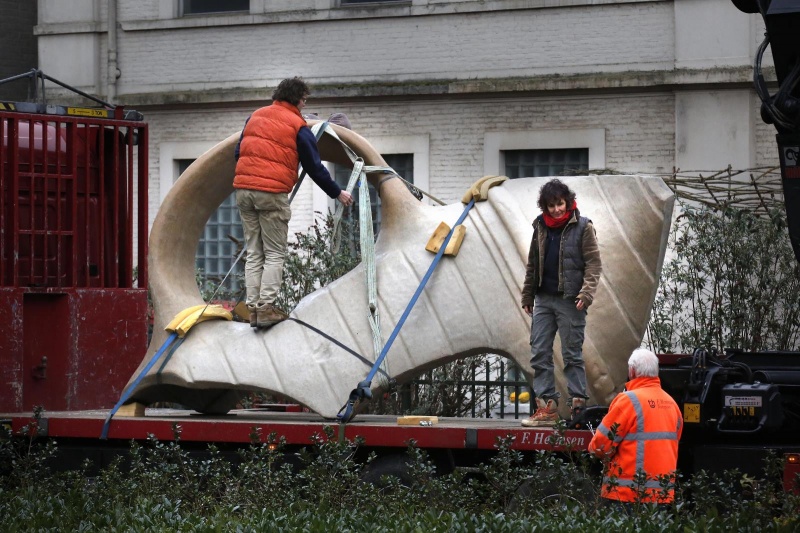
546	162
543	152
216	250
203	7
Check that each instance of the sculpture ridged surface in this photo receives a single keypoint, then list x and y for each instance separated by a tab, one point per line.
471	304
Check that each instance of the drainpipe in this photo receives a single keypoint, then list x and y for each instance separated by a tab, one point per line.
112	72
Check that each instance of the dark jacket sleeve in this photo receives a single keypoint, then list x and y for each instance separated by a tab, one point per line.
531	283
593	267
309	158
239	144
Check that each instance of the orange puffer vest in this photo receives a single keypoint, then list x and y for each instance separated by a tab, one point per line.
268	152
645	443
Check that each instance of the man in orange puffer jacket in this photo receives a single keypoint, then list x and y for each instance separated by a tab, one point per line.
639	437
274	141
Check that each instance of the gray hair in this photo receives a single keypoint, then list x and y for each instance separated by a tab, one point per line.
644	363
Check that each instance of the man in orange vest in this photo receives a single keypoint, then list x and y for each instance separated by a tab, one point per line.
274	141
638	438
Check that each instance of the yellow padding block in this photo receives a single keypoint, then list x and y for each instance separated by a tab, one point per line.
180	317
440	234
131	409
186	319
480	189
413	420
242	312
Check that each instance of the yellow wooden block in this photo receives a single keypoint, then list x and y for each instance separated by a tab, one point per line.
440	234
242	312
455	241
414	420
131	409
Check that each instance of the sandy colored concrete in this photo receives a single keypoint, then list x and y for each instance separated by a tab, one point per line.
471	304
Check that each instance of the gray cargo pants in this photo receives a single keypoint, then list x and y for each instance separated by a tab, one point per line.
553	313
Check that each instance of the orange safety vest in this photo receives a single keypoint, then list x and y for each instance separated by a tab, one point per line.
645	442
268	156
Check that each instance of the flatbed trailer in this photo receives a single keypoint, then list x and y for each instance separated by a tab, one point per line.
451	442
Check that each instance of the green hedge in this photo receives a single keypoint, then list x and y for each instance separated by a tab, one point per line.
162	487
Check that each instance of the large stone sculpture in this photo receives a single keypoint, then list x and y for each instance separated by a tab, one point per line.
471	304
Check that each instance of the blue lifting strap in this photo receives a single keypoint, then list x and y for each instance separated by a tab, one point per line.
126	394
363	389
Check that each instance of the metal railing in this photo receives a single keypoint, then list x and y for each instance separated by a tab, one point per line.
485	391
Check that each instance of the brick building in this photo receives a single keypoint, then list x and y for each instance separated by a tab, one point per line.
450	89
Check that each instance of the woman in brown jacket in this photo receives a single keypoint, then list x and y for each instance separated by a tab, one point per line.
560	282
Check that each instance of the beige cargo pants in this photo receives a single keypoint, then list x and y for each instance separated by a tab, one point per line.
265	219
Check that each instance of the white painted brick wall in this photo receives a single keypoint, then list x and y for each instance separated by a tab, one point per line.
608	38
766	145
639	133
155	56
140	9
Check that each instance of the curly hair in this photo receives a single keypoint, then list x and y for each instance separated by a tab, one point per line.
553	191
291	90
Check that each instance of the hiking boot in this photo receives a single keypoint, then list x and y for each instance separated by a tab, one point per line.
269	315
253	320
546	414
576	408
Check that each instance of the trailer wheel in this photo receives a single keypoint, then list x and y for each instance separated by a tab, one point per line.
549	490
394	466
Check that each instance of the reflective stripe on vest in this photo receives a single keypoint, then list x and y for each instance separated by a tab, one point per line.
640	437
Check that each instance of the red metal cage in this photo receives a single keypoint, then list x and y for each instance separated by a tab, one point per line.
72	302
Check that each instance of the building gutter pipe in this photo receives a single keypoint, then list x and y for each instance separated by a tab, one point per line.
112	71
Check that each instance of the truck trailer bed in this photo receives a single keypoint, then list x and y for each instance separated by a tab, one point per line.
297	428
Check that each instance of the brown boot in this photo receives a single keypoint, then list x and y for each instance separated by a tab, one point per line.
576	407
269	315
253	320
546	414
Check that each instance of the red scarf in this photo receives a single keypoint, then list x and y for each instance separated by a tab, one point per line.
559	222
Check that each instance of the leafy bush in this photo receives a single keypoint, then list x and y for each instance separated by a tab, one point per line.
733	282
311	263
164	487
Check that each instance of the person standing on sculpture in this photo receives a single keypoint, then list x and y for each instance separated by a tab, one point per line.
275	139
560	282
